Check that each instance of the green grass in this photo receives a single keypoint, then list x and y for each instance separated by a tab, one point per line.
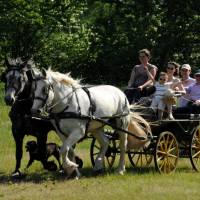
135	184
181	185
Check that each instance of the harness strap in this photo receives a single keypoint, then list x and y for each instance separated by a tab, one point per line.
66	115
57	124
67	106
92	107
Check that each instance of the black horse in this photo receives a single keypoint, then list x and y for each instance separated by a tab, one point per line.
17	94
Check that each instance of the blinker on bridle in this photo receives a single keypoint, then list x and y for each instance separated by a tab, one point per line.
23	79
46	92
11	84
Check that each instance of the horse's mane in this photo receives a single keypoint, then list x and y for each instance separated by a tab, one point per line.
65	79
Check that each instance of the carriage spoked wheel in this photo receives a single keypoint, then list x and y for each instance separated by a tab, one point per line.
195	149
166	153
140	158
111	152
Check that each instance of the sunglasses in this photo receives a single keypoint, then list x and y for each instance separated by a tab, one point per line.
171	68
197	75
162	79
142	56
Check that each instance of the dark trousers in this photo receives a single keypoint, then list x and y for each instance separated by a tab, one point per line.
189	109
134	94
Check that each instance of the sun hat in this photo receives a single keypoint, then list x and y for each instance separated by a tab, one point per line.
197	72
186	66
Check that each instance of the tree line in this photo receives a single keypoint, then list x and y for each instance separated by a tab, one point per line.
99	40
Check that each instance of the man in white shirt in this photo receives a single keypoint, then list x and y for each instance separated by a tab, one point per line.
187	81
193	96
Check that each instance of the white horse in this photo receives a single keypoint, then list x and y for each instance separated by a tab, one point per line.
74	111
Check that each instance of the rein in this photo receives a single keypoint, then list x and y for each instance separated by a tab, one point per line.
68	115
78	115
73	90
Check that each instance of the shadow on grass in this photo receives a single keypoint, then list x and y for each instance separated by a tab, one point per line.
44	176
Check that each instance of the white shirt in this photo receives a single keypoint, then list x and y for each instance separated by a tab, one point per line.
186	84
161	89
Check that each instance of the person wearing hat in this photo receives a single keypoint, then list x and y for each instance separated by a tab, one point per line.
187	81
193	97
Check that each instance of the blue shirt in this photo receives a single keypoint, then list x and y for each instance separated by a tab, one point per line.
194	92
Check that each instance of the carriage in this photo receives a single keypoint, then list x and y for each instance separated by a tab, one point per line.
171	139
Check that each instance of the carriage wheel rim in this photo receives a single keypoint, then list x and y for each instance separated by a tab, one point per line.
166	153
139	158
195	149
95	148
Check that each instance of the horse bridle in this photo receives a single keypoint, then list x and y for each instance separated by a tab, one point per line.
46	92
11	84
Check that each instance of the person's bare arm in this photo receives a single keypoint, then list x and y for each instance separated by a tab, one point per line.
178	87
151	77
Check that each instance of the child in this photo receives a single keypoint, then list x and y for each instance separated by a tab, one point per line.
157	102
162	89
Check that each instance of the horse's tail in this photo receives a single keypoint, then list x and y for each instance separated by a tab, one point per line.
139	126
141	122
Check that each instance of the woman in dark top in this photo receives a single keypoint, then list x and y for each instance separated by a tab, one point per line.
139	83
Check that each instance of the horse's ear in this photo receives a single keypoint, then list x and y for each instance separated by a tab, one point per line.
44	72
30	75
3	77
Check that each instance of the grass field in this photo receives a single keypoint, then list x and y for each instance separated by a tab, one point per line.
135	184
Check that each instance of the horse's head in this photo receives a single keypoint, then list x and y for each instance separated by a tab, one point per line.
16	78
43	94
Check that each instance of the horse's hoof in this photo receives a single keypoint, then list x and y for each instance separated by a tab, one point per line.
120	172
61	172
17	175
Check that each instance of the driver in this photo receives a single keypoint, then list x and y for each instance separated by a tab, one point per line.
139	84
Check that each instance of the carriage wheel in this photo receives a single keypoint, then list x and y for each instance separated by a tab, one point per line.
166	153
139	158
195	149
110	154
